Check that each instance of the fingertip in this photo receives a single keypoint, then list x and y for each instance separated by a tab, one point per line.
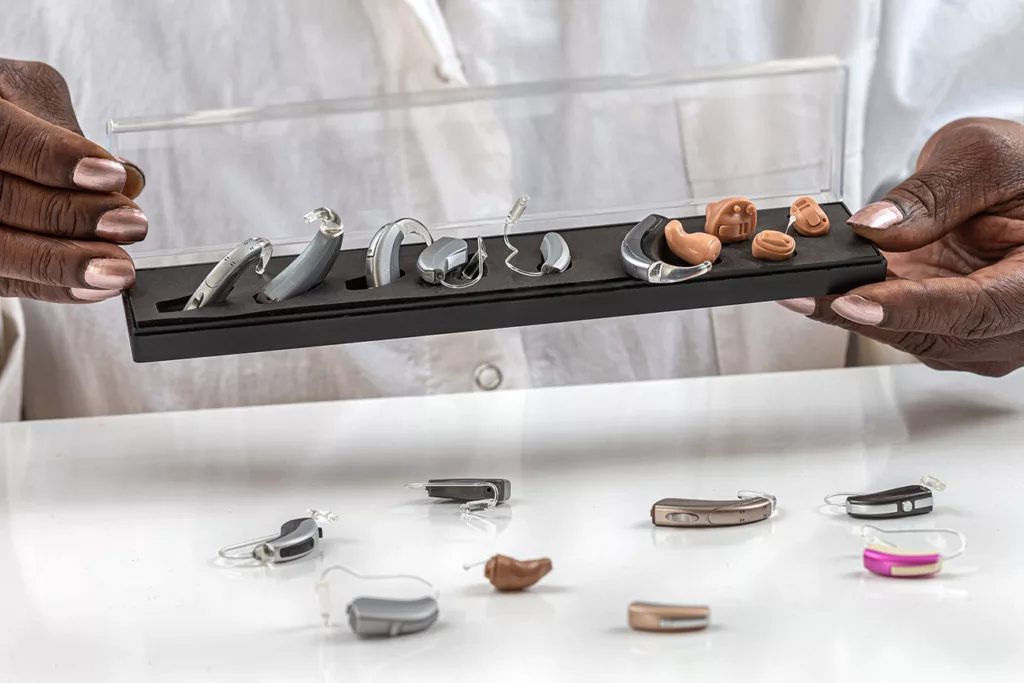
803	305
92	295
135	181
857	309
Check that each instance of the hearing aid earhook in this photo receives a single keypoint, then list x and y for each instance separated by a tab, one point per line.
553	248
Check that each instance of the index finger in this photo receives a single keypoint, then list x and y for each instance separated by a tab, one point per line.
47	154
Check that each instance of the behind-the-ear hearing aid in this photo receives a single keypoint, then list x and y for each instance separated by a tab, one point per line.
314	263
376	617
508	574
450	256
297	539
653	616
382	254
553	249
905	501
639	265
222	279
886	559
476	494
750	506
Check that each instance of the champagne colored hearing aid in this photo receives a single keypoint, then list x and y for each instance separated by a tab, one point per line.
749	507
653	616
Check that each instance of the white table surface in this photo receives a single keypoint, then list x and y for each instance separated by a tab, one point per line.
109	530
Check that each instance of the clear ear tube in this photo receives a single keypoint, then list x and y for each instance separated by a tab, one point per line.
472	271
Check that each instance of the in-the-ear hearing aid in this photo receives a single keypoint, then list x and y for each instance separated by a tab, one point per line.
297	539
905	501
476	494
731	220
508	574
885	559
692	247
772	245
553	249
314	263
375	617
653	616
809	219
222	279
382	254
750	506
639	265
450	256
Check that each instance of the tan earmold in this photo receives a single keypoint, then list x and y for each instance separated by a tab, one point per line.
772	245
809	218
731	220
508	574
693	248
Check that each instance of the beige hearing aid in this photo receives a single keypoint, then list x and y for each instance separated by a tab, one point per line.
508	574
652	616
731	220
693	248
772	245
809	218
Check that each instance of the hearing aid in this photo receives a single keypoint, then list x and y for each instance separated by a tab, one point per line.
809	218
652	616
509	575
450	256
217	285
772	245
553	248
749	507
904	501
475	494
382	254
693	248
886	559
314	263
371	617
731	220
639	265
297	539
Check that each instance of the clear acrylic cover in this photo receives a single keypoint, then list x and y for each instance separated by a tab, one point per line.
587	152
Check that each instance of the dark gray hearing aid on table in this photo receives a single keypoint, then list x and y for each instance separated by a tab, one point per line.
314	263
222	279
382	254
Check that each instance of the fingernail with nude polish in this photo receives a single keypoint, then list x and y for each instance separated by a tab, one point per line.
110	273
122	225
858	309
878	216
100	175
804	306
93	294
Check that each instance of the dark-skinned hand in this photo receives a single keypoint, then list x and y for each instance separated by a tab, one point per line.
953	234
65	203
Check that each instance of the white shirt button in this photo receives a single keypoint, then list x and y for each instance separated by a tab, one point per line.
487	377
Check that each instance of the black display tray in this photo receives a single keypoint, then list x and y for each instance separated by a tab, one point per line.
342	310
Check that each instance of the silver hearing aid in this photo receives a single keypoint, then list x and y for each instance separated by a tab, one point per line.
450	255
382	254
297	539
381	617
314	263
553	248
639	265
222	279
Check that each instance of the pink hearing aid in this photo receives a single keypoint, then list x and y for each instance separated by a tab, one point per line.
885	559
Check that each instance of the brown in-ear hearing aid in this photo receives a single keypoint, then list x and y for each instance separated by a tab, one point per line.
772	245
508	574
731	220
693	248
650	616
808	217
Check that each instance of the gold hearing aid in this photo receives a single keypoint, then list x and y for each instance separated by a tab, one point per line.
508	574
749	506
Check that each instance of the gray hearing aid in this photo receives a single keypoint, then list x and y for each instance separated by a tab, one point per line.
450	255
314	263
222	279
297	538
382	254
553	248
639	265
374	617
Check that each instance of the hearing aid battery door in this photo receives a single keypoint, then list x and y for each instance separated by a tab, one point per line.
905	501
437	488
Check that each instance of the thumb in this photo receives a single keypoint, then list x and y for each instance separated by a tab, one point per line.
962	175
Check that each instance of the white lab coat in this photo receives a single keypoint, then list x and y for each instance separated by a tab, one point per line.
913	65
